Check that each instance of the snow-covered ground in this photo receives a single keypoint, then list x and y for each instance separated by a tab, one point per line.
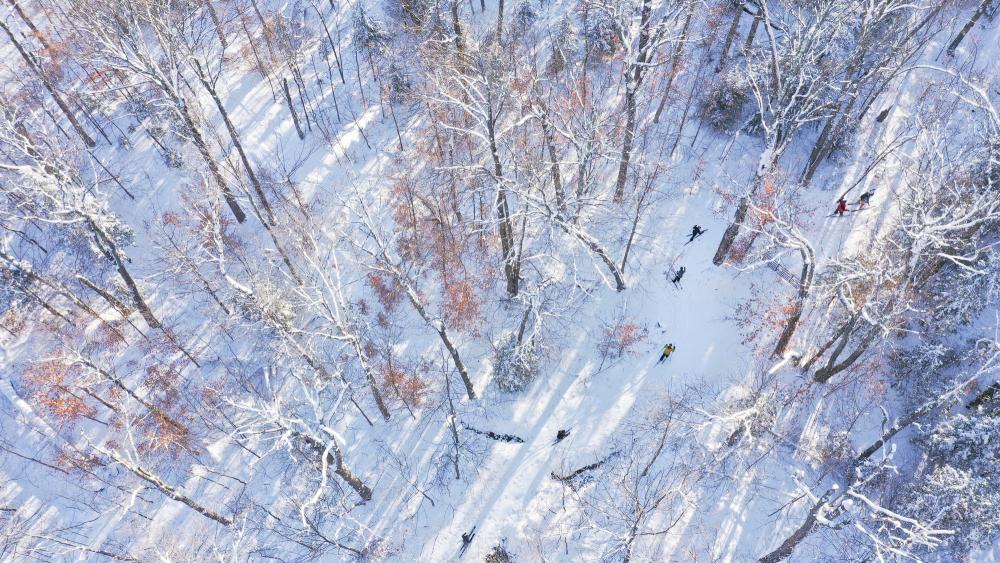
506	491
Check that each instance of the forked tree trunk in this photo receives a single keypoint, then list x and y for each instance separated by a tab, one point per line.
336	459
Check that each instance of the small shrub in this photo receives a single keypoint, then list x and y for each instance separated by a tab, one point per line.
620	338
723	106
514	366
499	554
602	34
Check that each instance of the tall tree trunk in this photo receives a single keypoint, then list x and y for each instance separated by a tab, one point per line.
236	141
213	167
456	25
788	546
87	140
634	77
511	265
968	26
291	108
675	59
216	23
805	283
31	25
627	141
500	20
753	31
451	420
730	37
105	241
438	327
554	160
732	231
166	489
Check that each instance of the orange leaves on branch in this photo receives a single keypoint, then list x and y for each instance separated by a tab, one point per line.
621	338
461	305
762	316
49	385
409	387
387	290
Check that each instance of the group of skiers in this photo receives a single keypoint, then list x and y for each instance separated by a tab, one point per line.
696	231
863	201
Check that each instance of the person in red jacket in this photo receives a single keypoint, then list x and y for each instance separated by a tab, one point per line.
841	206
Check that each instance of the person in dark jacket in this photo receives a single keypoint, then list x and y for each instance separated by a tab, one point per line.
865	199
466	540
696	231
679	275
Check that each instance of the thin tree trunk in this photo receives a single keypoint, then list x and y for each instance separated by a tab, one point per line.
87	140
439	327
451	419
333	49
674	60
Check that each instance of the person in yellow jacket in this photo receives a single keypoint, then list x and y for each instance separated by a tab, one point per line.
667	350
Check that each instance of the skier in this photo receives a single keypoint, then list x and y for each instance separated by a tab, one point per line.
679	275
696	231
841	206
561	435
466	540
667	350
865	199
